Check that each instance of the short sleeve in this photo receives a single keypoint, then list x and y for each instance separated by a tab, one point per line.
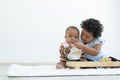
98	41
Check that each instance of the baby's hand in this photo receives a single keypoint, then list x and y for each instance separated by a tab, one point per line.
65	47
65	44
62	50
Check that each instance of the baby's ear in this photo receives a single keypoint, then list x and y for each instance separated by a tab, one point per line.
65	36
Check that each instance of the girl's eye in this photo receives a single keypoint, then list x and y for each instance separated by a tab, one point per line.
87	37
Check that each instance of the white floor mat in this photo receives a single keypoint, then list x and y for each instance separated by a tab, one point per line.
44	70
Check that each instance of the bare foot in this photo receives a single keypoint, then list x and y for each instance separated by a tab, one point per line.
59	66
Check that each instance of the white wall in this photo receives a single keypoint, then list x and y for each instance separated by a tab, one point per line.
32	30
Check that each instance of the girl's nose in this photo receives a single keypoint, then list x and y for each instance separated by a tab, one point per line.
83	38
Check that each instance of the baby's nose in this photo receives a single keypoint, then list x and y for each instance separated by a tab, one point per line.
73	39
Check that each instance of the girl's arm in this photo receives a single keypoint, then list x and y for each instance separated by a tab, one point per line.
94	51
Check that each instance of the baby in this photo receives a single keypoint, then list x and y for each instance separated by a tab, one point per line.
68	52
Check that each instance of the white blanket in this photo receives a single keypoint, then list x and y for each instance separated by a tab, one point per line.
44	70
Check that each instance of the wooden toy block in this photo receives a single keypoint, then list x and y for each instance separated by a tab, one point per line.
89	64
105	60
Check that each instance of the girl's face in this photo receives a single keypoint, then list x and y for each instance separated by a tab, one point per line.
72	35
86	36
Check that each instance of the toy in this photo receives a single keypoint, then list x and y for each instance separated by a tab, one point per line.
104	62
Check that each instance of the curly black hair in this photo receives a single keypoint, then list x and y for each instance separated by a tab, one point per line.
94	26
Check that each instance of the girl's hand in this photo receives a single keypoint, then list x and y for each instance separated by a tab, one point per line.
78	45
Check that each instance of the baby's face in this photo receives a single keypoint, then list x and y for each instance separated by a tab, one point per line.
86	36
72	35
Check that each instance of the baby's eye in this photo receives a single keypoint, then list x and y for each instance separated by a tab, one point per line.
76	37
71	36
